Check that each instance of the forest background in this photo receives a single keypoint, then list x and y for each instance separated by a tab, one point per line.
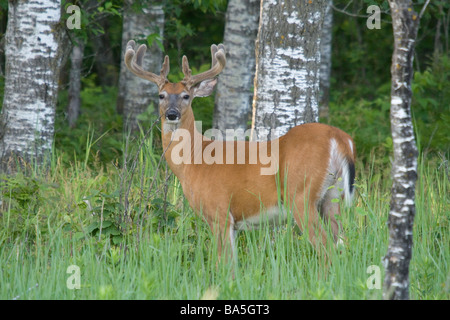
360	79
97	148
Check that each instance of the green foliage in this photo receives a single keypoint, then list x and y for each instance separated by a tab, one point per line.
431	106
97	123
191	27
366	118
371	114
203	110
360	81
155	38
108	216
203	107
21	201
163	214
4	6
360	56
90	17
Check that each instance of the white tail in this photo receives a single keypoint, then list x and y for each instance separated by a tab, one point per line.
228	182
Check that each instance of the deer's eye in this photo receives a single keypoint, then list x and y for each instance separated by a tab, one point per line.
161	96
186	97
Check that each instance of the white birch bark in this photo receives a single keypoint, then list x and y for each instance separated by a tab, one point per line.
405	22
325	60
136	94
34	55
234	88
287	66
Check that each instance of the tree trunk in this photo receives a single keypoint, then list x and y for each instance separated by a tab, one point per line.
105	62
34	55
325	61
405	22
76	58
234	89
287	66
136	94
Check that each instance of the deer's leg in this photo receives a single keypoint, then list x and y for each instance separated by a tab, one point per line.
329	212
224	232
308	220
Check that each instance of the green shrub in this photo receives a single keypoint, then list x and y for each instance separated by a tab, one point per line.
97	136
367	121
431	106
21	202
367	118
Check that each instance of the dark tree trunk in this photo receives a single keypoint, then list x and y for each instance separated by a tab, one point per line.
76	59
405	22
105	64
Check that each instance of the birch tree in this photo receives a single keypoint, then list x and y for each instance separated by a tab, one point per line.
287	66
234	88
34	55
135	94
325	60
405	23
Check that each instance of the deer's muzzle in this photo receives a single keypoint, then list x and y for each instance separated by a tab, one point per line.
173	115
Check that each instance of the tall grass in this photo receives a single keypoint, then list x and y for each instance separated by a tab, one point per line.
166	252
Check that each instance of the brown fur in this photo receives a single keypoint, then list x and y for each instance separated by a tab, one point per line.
217	190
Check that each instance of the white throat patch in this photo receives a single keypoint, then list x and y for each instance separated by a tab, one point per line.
171	125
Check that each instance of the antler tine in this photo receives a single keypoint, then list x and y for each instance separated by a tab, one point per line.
221	47
133	61
165	69
213	55
129	54
214	50
185	67
217	64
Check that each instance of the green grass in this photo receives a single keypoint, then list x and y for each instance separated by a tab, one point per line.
163	251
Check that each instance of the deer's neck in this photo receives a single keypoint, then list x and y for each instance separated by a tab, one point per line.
181	143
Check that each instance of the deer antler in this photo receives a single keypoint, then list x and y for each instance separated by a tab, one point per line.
133	61
217	65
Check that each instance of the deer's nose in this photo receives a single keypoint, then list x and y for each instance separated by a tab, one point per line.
172	115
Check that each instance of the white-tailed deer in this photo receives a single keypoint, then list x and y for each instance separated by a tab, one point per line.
314	162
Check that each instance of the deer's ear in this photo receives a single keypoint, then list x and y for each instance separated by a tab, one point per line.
205	88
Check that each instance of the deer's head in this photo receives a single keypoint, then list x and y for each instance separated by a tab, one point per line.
175	98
